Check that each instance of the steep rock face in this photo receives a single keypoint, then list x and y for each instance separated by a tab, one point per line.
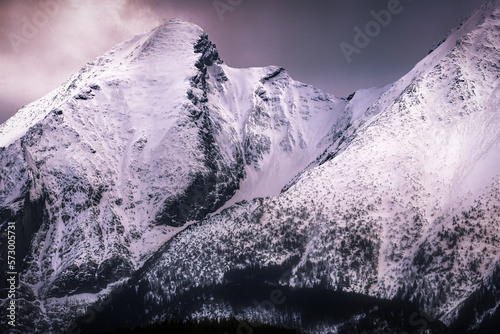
405	205
144	141
209	190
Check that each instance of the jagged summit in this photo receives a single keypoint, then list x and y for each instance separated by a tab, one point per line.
172	37
165	54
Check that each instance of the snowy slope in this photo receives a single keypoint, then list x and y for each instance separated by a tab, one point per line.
406	206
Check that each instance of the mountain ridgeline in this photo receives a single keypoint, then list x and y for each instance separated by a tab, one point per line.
160	189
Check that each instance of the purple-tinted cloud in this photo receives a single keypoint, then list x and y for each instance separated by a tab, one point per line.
43	42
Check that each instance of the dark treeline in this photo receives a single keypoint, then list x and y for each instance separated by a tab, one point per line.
230	326
286	308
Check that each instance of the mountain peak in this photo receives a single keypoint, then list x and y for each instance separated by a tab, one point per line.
174	36
177	28
168	53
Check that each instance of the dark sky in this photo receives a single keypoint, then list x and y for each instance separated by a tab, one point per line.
43	42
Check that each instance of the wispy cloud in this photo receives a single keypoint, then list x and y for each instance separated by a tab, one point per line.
42	42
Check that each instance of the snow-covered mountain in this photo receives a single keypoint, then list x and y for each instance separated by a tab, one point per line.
145	140
160	169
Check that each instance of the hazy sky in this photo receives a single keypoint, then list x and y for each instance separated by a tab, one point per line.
43	42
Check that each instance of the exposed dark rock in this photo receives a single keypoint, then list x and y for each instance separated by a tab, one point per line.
76	279
28	222
113	269
210	54
272	75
